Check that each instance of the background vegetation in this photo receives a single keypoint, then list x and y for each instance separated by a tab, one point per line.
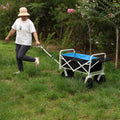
52	20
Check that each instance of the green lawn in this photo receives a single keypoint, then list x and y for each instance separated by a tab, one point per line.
42	94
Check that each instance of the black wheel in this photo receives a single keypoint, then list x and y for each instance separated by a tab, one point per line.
95	78
101	80
83	78
89	83
70	73
63	74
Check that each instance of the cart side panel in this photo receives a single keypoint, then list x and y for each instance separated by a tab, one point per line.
73	63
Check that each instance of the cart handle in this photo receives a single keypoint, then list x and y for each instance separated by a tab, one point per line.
40	46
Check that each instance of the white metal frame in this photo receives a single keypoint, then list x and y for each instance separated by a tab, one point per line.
89	74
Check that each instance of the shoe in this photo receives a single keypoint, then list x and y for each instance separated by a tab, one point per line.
17	72
37	61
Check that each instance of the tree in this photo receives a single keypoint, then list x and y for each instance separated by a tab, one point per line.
110	12
87	11
103	10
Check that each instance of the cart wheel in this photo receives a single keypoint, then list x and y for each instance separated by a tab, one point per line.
63	74
89	83
102	79
95	78
70	73
83	78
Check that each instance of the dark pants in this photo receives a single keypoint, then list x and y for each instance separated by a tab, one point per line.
20	55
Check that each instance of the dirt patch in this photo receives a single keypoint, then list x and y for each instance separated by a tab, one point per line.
7	80
52	47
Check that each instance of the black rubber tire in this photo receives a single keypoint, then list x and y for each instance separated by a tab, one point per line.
83	78
102	79
95	78
70	73
89	83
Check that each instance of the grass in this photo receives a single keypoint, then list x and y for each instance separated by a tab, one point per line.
42	94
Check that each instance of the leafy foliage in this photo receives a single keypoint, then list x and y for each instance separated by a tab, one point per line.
37	9
52	17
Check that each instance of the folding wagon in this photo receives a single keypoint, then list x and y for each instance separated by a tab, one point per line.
91	65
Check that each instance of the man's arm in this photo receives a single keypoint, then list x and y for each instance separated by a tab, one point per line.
12	31
36	38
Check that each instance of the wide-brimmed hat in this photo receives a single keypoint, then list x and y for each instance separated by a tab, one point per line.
23	12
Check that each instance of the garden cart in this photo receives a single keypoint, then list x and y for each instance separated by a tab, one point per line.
91	65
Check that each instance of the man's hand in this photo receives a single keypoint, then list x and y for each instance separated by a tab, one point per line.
37	43
7	39
12	31
36	38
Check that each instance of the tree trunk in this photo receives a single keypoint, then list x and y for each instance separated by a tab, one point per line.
117	43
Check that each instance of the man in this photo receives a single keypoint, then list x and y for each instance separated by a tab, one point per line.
24	29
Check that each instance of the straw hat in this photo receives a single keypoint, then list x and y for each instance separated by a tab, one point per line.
23	12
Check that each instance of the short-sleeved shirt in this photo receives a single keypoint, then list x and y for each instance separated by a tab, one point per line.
24	30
